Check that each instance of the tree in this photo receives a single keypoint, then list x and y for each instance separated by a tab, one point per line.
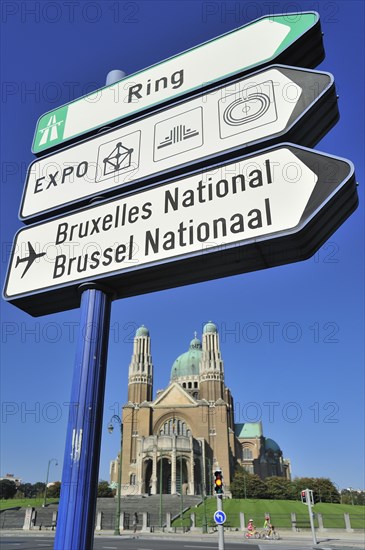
27	490
326	491
54	490
246	485
104	491
353	496
280	488
39	487
323	488
7	489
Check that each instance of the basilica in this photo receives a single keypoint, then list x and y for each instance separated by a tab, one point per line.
173	442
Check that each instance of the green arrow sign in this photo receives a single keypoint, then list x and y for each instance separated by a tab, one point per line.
294	39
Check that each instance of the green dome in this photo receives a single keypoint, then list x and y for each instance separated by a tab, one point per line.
187	364
210	327
272	445
195	344
142	331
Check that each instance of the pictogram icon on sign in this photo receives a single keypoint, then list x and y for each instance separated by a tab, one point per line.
178	134
247	109
50	131
118	156
243	111
29	259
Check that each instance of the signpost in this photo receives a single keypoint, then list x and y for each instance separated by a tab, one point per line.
275	206
220	516
271	105
293	39
307	498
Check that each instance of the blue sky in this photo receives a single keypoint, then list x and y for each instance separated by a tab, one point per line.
291	336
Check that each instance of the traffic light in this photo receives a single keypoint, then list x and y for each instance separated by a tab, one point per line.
218	482
307	496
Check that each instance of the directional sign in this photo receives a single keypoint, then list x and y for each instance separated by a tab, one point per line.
273	207
220	517
269	106
293	39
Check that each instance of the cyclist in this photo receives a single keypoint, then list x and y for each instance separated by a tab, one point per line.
268	526
250	528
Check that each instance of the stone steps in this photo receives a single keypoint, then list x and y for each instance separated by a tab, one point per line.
14	518
151	504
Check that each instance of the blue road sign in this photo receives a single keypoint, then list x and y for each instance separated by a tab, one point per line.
220	517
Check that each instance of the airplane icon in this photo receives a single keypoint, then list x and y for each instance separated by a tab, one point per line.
30	259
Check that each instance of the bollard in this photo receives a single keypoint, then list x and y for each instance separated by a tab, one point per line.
99	519
28	518
348	523
320	523
144	522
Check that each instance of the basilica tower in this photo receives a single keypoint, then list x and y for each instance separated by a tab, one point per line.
140	379
211	366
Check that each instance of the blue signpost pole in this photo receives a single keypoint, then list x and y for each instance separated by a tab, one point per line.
76	513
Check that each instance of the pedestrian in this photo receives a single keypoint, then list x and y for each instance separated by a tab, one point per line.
135	522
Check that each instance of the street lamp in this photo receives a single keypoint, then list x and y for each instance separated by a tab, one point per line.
244	482
160	489
203	491
45	489
110	430
181	492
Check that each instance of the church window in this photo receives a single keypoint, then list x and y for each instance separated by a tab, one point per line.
247	454
133	479
189	385
195	395
174	427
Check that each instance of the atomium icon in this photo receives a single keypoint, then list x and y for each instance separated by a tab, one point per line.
119	159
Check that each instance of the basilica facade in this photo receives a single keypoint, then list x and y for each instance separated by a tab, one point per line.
172	443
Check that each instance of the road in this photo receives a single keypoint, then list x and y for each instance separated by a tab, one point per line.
19	542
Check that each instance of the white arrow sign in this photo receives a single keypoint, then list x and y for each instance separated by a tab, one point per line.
288	38
220	517
260	108
153	236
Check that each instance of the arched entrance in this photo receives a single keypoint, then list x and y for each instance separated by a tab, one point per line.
147	474
198	489
181	475
164	483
